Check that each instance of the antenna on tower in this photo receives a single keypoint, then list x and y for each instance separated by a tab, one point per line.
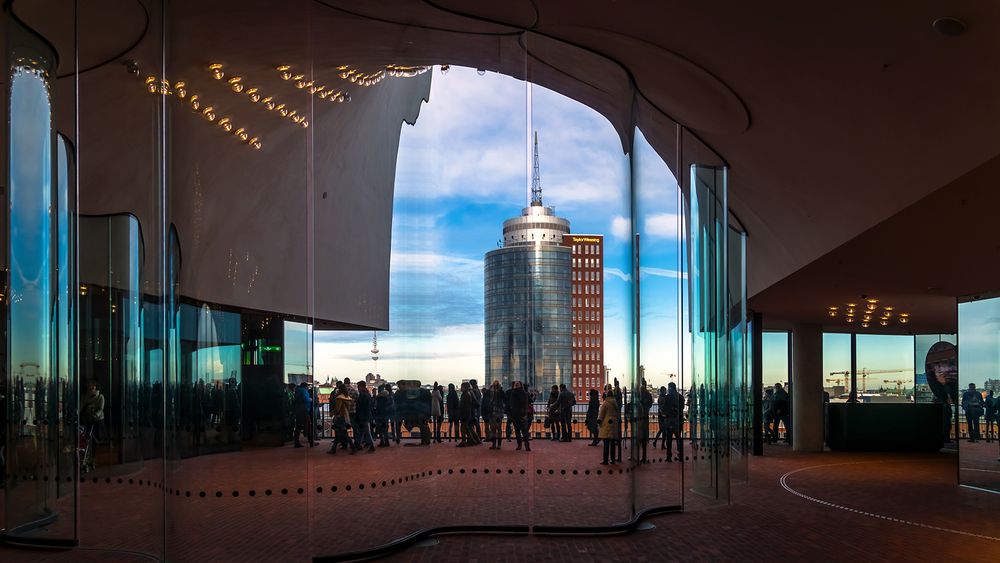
536	178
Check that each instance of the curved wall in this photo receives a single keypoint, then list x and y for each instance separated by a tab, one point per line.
254	144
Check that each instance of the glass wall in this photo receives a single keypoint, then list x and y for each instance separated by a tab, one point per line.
709	326
661	273
320	277
40	496
777	370
976	386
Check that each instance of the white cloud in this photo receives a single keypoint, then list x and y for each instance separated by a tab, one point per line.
617	273
447	354
661	225
662	273
619	227
432	262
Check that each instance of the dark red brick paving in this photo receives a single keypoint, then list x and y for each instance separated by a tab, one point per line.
764	522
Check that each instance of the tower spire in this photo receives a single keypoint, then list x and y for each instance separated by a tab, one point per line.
536	179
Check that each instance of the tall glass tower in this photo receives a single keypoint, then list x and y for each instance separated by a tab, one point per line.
528	299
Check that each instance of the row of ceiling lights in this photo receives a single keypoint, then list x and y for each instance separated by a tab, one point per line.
162	87
372	78
321	90
254	95
361	78
868	311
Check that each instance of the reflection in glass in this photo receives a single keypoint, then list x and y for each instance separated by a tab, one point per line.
738	402
39	388
111	337
660	274
710	381
978	386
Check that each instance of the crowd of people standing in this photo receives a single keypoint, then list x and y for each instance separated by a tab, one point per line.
363	418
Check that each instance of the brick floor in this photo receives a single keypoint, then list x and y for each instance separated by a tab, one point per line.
237	520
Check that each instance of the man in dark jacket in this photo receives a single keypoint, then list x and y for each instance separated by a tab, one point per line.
779	412
303	414
382	412
486	409
363	418
642	421
517	409
506	402
671	408
466	410
477	403
393	414
566	401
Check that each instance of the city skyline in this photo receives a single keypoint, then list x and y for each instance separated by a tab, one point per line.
462	169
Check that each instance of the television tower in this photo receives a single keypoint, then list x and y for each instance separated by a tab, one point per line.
536	178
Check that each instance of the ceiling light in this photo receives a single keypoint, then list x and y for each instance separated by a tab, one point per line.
216	70
949	26
162	86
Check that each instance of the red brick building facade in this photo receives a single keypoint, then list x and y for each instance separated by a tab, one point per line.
588	312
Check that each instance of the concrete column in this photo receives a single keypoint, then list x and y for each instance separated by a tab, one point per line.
807	388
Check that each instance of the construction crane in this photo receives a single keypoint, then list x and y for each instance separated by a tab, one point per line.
846	377
865	372
899	385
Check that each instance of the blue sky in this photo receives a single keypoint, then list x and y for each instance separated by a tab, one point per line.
875	352
464	168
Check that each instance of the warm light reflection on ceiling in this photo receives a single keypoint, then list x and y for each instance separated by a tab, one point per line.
161	86
869	313
255	96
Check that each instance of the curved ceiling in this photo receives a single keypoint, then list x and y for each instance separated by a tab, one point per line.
831	120
104	30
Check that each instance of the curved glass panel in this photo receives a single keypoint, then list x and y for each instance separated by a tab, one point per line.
710	349
39	497
661	391
977	388
315	224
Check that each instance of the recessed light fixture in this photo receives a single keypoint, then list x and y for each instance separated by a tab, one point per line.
162	87
870	311
949	26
